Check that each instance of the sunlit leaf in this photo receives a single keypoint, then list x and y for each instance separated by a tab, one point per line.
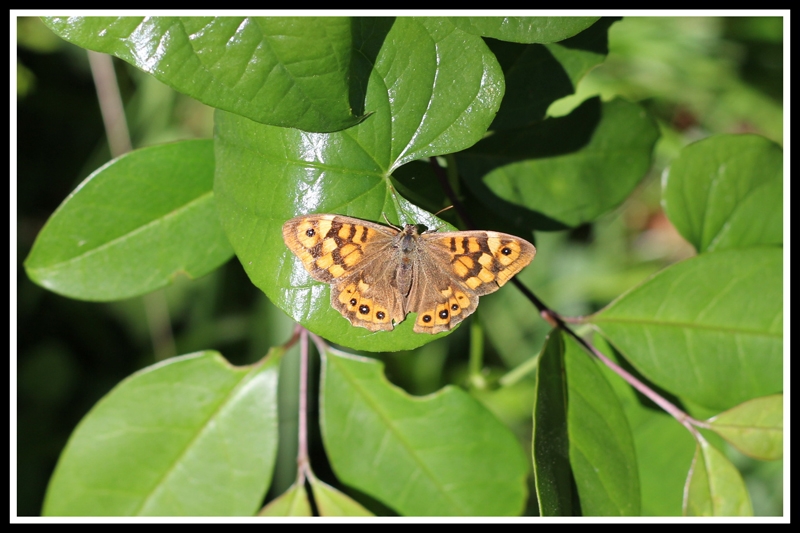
286	71
754	427
442	454
714	486
133	226
709	328
189	436
727	192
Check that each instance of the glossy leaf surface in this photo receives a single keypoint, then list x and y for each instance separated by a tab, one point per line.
286	71
433	91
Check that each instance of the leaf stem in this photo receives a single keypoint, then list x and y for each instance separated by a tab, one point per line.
555	320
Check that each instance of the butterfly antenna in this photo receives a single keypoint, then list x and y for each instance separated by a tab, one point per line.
389	223
443	210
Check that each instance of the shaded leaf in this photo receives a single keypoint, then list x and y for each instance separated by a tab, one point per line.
555	485
189	436
267	175
442	454
525	29
709	328
563	171
285	71
754	427
726	191
714	486
293	502
133	226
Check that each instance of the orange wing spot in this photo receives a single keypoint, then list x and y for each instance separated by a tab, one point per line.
486	276
352	259
348	248
473	282
463	299
459	248
474	245
358	236
485	260
447	293
328	245
324	226
348	294
325	261
336	271
426	319
363	286
460	269
494	244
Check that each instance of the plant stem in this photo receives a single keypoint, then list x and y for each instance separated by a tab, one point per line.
557	321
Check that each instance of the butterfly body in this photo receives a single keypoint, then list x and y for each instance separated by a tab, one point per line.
378	274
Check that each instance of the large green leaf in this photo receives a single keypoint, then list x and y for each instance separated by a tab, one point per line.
442	454
525	29
714	486
133	226
709	328
601	449
563	171
286	71
190	436
434	89
727	192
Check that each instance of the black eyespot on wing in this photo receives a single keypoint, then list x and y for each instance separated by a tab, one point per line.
364	309
381	315
427	318
310	232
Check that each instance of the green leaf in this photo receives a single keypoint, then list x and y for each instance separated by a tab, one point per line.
267	175
727	192
754	427
709	328
189	436
564	171
442	454
331	502
285	71
525	29
601	449
293	502
133	226
714	486
555	485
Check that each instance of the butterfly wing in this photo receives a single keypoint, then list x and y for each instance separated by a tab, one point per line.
357	258
456	269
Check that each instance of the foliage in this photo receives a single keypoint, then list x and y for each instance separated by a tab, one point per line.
384	117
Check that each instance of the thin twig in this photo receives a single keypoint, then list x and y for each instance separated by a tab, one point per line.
559	322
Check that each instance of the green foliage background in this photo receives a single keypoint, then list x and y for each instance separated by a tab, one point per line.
696	76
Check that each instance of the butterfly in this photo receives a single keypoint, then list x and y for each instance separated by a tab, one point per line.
378	274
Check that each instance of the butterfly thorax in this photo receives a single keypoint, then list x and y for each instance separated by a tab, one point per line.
407	245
